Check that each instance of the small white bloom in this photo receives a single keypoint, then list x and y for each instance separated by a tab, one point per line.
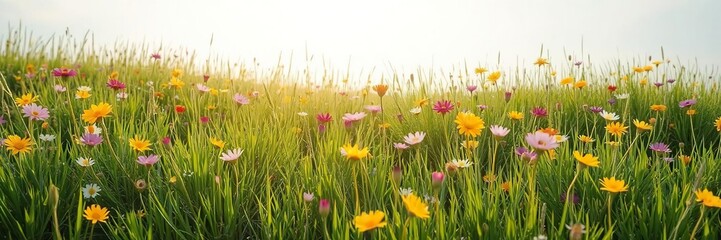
302	114
121	95
622	96
414	138
416	110
609	116
47	137
231	155
91	190
85	162
60	88
405	191
84	88
149	83
308	197
463	163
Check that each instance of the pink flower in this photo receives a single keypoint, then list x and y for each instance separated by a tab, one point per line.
324	207
308	197
471	88
324	118
202	88
400	146
539	112
35	112
115	84
206	77
148	160
507	96
231	156
499	131
541	141
155	56
241	99
64	72
91	140
443	107
373	108
60	88
353	117
437	179
204	119
414	138
687	103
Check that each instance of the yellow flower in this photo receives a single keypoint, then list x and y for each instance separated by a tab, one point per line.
80	94
643	82
587	160
580	84
691	112
176	73
415	206
16	145
176	83
718	124
658	108
380	89
26	99
616	128
614	143
613	186
217	142
638	69
567	81
540	62
586	139
494	76
506	186
656	62
647	68
470	144
354	152
211	107
96	214
421	102
703	195
139	144
384	125
296	130
642	126
480	70
369	221
173	180
469	124
685	159
515	115
96	111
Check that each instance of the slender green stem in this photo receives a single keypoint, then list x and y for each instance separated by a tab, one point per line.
698	223
609	211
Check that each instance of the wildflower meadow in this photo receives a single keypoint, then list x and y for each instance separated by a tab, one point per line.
137	141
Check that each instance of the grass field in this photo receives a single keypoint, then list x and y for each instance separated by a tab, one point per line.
135	141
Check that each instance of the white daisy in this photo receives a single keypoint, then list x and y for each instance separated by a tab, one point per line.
416	110
609	116
91	190
85	162
47	137
463	163
405	191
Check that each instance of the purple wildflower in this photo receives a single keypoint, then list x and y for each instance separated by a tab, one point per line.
660	147
241	99
539	112
687	103
595	109
574	197
148	160
35	112
91	140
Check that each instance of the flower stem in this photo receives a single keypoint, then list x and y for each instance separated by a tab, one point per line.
568	195
698	223
609	211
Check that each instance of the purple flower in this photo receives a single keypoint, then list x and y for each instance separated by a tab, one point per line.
155	56
507	96
64	72
91	140
2	120
671	80
471	88
574	197
526	154
687	103
482	107
595	109
658	84
115	84
539	112
578	63
148	160
241	99
660	148
35	112
612	101
668	159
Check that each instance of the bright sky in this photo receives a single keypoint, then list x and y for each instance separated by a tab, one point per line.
407	34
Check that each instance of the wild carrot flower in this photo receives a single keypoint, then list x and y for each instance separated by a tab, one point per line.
499	131
687	103
231	156
658	108
539	112
91	191
642	126
369	221
609	116
64	72
148	160
85	162
95	214
380	89
354	153
541	141
443	107
515	115
16	145
90	139
139	144
587	160
659	148
613	186
415	206
469	124
35	112
414	138
616	128
96	112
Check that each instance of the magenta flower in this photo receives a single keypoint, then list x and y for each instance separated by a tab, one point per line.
671	80
321	128
148	160
414	138
91	140
437	179
2	120
64	72
206	77
324	118
115	84
539	112
204	119
658	84
526	154
35	112
155	56
443	107
541	141
241	99
507	96
482	107
373	108
660	148
687	103
499	131
324	207
595	109
166	141
471	88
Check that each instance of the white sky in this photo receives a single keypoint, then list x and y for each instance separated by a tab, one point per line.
408	34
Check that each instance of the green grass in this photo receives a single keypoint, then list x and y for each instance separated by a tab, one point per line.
261	196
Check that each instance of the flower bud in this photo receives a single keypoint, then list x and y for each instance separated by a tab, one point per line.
396	175
324	207
437	179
